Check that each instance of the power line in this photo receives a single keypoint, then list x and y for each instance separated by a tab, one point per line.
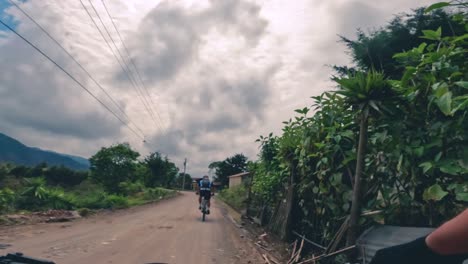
78	63
131	60
133	82
73	78
148	105
115	56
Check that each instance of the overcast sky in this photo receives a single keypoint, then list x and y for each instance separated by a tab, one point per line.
219	73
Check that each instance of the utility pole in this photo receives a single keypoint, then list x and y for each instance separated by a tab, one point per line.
183	178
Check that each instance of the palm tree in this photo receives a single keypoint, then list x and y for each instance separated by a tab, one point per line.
367	93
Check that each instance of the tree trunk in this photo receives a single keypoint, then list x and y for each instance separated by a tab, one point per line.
356	202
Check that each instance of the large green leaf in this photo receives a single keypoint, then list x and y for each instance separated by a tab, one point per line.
461	38
445	103
460	190
440	89
421	47
426	166
434	193
450	168
432	35
463	84
436	6
462	196
336	179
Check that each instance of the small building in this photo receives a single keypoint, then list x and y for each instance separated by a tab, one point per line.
237	179
195	183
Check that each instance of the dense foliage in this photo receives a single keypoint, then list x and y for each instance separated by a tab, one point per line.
182	183
375	50
116	180
230	166
235	196
404	118
162	172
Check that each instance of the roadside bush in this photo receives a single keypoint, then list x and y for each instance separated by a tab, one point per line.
116	201
37	196
131	188
235	196
62	176
7	199
91	200
57	199
155	193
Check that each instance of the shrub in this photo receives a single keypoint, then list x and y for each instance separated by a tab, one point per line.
7	199
37	196
155	193
84	212
56	199
131	188
116	201
92	200
234	196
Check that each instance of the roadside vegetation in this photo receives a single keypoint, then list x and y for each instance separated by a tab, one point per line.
235	196
389	145
117	179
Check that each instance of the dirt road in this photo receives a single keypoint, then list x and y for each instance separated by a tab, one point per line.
167	232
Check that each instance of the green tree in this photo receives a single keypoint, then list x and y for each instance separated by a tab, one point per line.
113	165
37	171
4	171
20	171
367	94
60	175
229	166
180	180
162	172
375	50
414	170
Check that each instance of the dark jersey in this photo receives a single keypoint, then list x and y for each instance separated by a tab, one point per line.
205	189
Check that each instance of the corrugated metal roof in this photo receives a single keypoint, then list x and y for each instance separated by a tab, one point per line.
379	237
240	174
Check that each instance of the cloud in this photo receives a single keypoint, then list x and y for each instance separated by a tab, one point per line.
169	37
354	15
220	72
54	104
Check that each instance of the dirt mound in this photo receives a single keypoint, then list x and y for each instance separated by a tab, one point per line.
40	217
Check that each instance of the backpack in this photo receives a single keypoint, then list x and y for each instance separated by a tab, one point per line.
205	186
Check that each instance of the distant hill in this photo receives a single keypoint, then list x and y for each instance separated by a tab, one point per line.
11	150
78	159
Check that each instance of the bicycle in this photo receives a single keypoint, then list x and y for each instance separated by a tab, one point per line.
203	208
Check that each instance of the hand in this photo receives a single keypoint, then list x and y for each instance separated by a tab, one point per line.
414	252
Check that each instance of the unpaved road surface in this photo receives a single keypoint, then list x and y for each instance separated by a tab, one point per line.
167	232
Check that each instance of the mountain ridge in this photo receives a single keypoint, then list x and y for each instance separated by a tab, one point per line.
13	151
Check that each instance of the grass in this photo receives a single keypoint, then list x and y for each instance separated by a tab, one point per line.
84	199
234	196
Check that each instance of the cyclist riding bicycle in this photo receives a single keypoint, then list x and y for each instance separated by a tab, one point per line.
205	189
